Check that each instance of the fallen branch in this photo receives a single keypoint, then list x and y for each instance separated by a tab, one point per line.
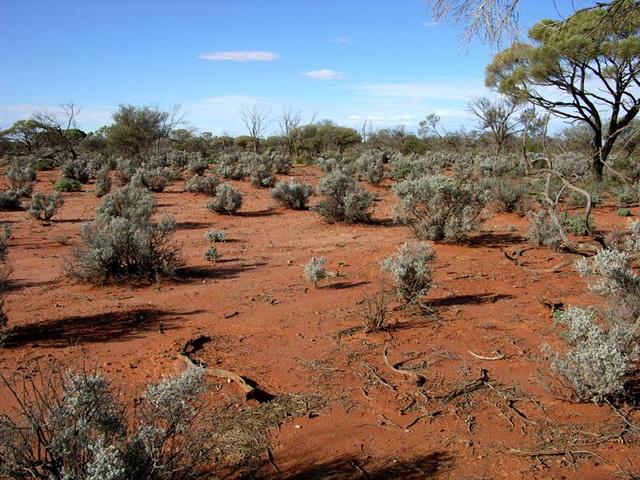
500	356
378	378
415	377
195	344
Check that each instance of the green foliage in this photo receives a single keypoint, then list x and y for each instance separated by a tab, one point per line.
76	169
211	254
315	270
202	184
624	212
136	129
103	183
576	225
370	167
65	184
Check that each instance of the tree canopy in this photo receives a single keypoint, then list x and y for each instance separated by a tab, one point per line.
578	70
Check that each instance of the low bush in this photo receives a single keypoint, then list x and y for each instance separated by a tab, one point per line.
576	225
123	244
411	270
103	183
216	236
624	212
509	197
65	184
202	184
374	309
44	206
439	208
370	167
542	230
21	175
74	426
261	176
5	235
315	270
294	195
12	199
198	165
155	179
345	200
76	169
228	200
211	254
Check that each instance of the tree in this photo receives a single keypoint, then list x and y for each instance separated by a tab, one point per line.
493	20
135	130
504	118
289	123
255	119
578	74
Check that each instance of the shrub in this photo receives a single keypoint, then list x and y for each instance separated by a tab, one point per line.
411	270
211	254
103	183
374	309
4	328
576	225
345	201
261	176
615	280
315	270
202	184
11	200
20	176
624	212
67	185
215	236
197	164
133	202
76	169
370	167
155	179
600	362
44	207
123	244
230	166
293	195
5	234
439	208
509	197
627	196
228	200
73	426
543	231
278	163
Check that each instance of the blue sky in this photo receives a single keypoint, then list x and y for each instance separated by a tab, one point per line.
347	60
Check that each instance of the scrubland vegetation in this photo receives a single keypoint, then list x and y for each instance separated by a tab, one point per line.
551	205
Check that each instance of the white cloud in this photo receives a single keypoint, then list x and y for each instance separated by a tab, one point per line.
424	90
240	56
324	74
341	40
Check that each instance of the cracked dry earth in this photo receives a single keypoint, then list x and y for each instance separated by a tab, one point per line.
473	418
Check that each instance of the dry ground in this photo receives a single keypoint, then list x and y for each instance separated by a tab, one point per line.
267	323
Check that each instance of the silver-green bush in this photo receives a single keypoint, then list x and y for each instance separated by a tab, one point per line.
227	200
45	206
292	194
411	270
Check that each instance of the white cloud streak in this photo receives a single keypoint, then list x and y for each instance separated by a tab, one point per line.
240	56
324	74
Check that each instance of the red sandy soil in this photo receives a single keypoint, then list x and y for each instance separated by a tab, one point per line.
268	323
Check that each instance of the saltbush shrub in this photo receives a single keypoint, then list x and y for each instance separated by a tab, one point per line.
202	184
370	167
293	194
12	199
439	208
103	183
576	225
542	230
45	206
76	169
197	164
20	175
509	197
228	200
75	426
216	236
411	270
123	244
211	254
315	270
345	200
